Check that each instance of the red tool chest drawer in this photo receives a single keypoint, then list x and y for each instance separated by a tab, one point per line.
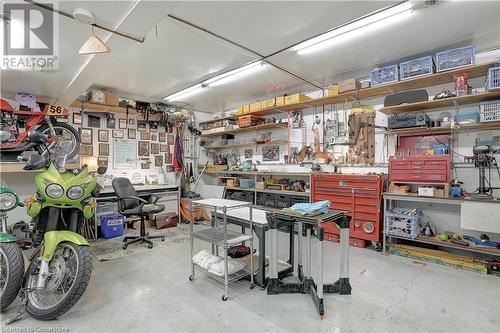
359	196
420	168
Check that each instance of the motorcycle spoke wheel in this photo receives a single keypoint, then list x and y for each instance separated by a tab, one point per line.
11	273
68	140
68	277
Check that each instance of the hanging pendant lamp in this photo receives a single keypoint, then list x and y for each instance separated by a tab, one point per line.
94	45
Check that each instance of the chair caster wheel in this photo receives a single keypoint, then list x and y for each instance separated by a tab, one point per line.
124	247
191	278
252	286
150	246
224	298
163	239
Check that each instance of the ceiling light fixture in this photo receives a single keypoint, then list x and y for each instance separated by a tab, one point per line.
218	80
357	28
94	45
185	93
235	74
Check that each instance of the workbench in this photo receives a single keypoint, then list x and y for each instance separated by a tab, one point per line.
309	227
241	218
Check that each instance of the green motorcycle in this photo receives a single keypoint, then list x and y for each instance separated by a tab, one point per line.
59	270
11	255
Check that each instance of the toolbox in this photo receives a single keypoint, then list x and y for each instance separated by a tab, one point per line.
420	169
358	196
247	121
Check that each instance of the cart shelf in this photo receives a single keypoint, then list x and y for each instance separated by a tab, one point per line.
216	236
230	278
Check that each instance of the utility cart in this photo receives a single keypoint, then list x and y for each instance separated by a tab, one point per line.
220	237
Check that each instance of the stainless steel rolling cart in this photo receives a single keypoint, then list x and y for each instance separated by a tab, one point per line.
219	236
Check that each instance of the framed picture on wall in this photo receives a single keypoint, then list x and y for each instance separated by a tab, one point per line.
102	136
143	148
170	139
155	148
162	137
145	163
145	135
131	121
248	153
94	121
131	133
270	153
141	125
86	136
122	123
104	149
168	158
158	160
170	130
77	118
110	122
163	148
154	137
86	150
153	127
102	161
118	134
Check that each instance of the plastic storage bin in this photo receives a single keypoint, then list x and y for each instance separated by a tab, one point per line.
104	209
494	78
468	117
459	57
281	201
489	111
265	199
399	224
246	183
298	199
112	225
416	67
384	75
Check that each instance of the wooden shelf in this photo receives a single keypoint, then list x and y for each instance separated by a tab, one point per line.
240	145
443	130
441	103
438	242
94	107
378	91
247	129
302	194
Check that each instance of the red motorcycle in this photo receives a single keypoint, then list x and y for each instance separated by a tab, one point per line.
16	125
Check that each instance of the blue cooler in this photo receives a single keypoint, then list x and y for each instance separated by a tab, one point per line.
112	225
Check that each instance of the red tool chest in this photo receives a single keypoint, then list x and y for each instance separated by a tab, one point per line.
359	196
420	168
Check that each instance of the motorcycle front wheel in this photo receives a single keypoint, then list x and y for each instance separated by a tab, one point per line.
11	273
69	275
69	139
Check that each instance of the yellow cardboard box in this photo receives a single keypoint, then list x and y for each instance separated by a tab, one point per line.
268	103
280	100
296	98
255	107
333	90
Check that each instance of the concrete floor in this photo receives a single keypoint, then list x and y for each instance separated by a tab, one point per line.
151	293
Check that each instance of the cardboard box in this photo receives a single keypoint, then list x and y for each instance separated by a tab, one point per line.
268	103
260	186
349	85
240	110
112	98
439	192
255	107
96	96
426	191
249	120
296	98
280	100
333	90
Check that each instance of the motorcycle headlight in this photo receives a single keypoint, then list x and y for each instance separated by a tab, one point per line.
54	191
8	201
75	192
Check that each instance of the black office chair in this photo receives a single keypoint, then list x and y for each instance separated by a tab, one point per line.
129	204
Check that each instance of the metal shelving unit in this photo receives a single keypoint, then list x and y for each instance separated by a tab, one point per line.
219	236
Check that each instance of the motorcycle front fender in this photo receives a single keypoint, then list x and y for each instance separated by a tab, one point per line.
6	238
53	238
34	209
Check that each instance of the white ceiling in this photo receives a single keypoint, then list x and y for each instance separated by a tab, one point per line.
175	56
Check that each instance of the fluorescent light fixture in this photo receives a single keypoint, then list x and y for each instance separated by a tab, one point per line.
235	74
357	28
218	80
185	93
